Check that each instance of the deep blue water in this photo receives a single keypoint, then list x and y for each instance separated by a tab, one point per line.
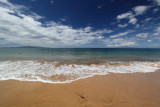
79	55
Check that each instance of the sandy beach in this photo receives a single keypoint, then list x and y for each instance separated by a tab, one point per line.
79	53
113	90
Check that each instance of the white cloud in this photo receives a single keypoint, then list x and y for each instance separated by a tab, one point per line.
120	34
122	25
63	19
126	44
137	26
124	15
155	34
131	15
156	18
155	10
157	2
149	40
142	35
120	42
139	10
158	30
147	19
133	20
100	37
27	30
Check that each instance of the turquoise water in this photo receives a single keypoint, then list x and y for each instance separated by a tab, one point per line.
80	55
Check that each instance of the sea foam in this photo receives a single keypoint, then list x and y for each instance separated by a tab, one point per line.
54	72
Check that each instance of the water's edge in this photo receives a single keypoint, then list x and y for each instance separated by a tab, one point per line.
55	72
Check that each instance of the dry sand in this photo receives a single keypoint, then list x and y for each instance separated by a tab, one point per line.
113	90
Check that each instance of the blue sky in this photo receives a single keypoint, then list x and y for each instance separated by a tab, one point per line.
80	23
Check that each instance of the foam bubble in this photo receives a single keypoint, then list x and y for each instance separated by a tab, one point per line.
53	72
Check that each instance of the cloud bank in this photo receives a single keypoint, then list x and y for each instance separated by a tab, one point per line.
28	30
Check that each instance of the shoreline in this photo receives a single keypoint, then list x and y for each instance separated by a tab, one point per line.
52	72
111	90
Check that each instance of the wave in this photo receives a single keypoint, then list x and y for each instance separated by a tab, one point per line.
55	72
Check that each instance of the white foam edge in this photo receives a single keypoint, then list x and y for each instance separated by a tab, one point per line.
45	81
116	69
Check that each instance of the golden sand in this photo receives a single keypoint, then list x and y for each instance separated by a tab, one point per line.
113	90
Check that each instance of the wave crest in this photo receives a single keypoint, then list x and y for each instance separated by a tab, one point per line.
54	72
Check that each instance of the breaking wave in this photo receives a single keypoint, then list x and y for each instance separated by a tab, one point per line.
55	72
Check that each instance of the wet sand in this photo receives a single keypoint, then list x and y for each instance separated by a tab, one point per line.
113	90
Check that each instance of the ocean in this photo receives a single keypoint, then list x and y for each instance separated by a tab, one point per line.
64	65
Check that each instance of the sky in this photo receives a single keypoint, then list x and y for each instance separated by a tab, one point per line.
80	23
